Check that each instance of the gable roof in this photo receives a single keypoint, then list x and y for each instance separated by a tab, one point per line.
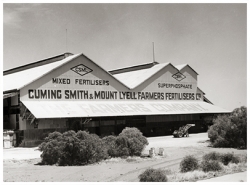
182	66
36	64
20	79
112	76
133	68
135	78
17	80
130	77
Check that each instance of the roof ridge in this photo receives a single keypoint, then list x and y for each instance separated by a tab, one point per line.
56	67
142	80
38	63
106	71
166	64
52	69
132	68
181	66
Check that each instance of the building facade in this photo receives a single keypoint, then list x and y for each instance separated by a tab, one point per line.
73	92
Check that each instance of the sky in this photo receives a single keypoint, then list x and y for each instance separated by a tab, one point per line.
211	38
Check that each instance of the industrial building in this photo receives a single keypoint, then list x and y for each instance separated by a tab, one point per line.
72	92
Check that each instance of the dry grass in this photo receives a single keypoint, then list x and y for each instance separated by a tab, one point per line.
200	175
177	176
131	159
189	176
234	168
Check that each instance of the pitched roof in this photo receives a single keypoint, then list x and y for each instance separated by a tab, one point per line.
134	78
17	80
133	68
20	79
38	63
182	66
130	77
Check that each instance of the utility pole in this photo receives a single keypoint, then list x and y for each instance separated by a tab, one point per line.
66	41
153	53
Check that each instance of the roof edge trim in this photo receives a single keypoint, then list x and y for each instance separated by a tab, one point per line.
77	55
167	64
38	63
10	91
201	90
207	100
187	65
106	71
132	68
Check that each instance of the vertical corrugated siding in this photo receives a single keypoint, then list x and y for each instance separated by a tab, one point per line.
167	118
40	134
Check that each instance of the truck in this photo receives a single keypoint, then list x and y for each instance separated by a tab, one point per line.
183	131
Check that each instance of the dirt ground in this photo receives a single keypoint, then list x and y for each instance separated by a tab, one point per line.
22	164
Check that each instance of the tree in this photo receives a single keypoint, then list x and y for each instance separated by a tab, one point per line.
230	130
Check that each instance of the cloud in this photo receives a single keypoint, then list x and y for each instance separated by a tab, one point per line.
13	14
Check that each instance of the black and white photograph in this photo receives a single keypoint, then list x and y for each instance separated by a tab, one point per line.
124	91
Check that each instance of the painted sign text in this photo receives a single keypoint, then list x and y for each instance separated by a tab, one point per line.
108	95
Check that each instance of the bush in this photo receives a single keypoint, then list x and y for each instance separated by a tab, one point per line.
211	156
130	142
189	163
223	158
91	148
72	148
210	165
51	148
122	146
153	175
136	141
110	145
135	146
230	130
134	133
227	158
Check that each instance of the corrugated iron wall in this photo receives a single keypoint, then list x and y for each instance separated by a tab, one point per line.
167	118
